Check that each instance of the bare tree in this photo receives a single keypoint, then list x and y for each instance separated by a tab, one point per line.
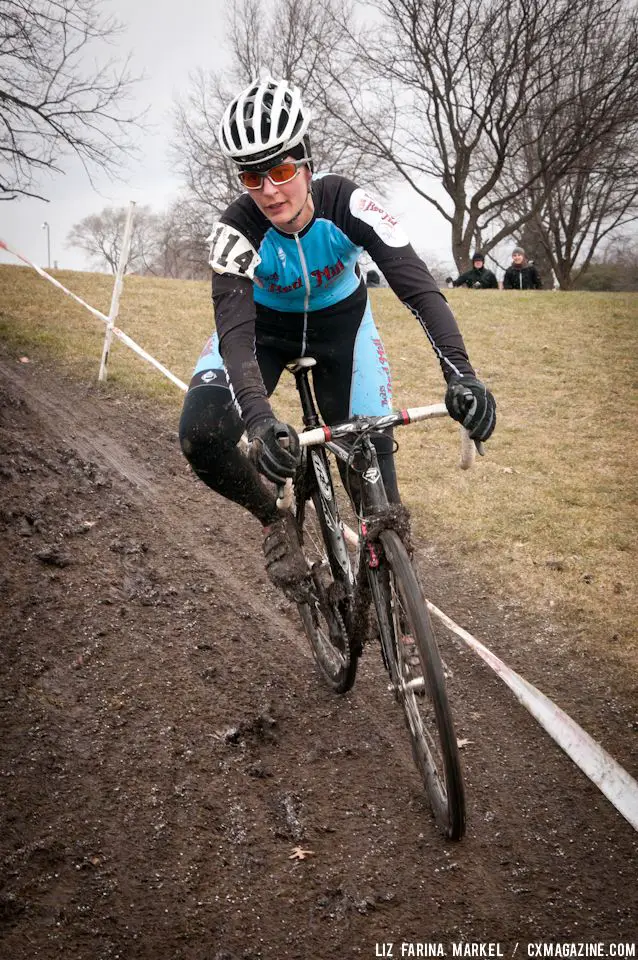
54	99
100	236
291	39
586	206
171	244
596	193
180	243
444	91
210	179
483	109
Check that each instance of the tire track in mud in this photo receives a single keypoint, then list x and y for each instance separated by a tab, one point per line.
259	758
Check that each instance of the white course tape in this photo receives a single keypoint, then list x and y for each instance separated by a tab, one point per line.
100	316
618	786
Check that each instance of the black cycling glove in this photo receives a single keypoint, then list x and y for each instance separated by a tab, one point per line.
472	404
274	449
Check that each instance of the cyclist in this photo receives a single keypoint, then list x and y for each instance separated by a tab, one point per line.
286	284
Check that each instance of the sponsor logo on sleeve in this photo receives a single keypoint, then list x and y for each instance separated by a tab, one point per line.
387	227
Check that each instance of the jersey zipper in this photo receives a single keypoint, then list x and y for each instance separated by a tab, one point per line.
306	277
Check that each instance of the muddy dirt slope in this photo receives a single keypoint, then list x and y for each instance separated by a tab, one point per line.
166	745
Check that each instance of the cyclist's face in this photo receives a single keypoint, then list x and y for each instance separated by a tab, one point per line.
288	205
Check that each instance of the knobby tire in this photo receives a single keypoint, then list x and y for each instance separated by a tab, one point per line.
327	620
427	712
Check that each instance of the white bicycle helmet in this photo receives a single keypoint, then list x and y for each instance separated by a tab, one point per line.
264	122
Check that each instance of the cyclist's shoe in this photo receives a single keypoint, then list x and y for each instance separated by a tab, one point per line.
286	565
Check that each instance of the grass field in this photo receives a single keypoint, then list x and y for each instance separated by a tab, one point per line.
548	515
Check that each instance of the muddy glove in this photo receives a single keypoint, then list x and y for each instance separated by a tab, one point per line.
471	403
274	449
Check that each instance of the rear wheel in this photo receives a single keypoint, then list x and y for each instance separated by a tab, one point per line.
327	618
419	682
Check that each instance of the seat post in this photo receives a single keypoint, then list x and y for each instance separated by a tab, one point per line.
300	369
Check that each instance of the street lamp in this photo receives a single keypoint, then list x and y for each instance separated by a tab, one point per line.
45	226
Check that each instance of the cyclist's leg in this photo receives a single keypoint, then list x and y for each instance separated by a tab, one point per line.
352	377
210	428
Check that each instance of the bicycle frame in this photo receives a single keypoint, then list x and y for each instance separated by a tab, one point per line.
341	440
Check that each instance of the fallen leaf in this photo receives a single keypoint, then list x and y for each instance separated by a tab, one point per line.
464	742
300	854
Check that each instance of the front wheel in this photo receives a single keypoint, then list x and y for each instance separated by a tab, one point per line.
418	678
327	619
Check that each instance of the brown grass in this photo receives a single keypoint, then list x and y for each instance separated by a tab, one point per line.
549	515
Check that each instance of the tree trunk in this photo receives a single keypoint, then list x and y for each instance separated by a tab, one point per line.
563	274
462	237
532	244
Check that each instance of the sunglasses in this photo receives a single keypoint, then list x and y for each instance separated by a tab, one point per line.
282	173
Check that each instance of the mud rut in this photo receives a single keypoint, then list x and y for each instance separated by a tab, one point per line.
167	745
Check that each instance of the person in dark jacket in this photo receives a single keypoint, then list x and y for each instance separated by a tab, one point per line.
479	277
521	275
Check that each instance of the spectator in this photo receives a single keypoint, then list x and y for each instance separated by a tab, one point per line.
478	278
522	274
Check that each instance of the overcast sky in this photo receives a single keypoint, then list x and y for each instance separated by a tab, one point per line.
167	41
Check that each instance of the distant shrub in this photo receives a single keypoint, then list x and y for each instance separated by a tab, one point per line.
616	271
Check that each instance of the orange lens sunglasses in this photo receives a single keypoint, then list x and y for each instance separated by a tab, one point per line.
282	173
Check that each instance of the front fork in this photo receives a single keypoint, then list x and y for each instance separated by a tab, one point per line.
374	501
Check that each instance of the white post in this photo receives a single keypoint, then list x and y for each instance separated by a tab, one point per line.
117	289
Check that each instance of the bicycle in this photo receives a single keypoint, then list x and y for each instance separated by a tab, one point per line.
383	579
